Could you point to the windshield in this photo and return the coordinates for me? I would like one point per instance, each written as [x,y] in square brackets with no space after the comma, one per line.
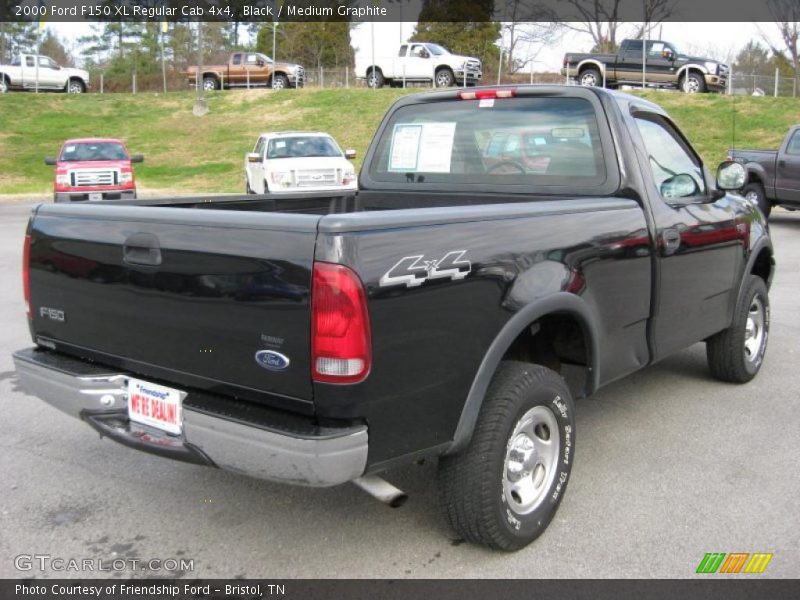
[437,49]
[94,151]
[530,141]
[302,146]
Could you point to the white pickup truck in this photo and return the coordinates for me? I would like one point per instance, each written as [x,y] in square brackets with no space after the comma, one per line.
[298,161]
[23,74]
[420,61]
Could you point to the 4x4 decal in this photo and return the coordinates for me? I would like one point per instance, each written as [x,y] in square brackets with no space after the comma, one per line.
[413,271]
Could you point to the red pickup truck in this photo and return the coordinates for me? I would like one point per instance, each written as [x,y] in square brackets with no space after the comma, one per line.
[94,169]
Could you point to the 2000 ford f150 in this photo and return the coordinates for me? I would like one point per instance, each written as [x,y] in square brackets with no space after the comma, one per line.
[454,307]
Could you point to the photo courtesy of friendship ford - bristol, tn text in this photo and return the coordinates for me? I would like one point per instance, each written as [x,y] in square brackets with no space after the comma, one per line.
[490,292]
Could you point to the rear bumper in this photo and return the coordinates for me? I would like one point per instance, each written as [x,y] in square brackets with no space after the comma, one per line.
[127,194]
[217,431]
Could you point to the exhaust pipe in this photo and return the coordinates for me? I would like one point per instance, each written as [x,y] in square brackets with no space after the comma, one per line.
[382,490]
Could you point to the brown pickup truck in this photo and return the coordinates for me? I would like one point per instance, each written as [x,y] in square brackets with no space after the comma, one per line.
[249,69]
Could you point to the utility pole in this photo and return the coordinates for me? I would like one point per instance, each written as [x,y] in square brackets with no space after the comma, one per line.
[200,106]
[164,29]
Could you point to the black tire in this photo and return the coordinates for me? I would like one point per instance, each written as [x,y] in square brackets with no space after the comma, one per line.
[729,357]
[590,77]
[375,80]
[247,188]
[280,82]
[75,86]
[478,504]
[693,83]
[444,78]
[754,191]
[266,189]
[3,84]
[210,83]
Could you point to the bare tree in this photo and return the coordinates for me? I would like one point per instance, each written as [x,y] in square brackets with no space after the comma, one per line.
[787,19]
[528,27]
[655,12]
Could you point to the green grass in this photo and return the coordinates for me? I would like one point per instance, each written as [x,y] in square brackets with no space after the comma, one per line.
[184,153]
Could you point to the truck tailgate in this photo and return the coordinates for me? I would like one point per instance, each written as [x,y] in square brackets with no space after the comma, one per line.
[185,295]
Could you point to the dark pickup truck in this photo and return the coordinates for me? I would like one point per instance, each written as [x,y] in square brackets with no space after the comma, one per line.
[454,307]
[773,176]
[665,67]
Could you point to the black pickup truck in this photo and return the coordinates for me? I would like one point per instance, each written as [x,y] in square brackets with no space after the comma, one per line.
[773,176]
[664,66]
[454,307]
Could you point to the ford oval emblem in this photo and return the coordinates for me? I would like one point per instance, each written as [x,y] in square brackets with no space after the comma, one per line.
[271,360]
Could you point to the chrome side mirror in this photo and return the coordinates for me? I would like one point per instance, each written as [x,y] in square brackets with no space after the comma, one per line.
[731,175]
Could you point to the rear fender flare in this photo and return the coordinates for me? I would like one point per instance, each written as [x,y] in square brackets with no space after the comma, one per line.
[560,302]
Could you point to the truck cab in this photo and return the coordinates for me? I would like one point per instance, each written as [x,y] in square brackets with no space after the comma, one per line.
[38,72]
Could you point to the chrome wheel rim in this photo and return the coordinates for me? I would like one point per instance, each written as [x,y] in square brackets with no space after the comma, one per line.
[752,196]
[531,459]
[3,86]
[75,88]
[209,85]
[278,84]
[442,79]
[372,81]
[755,330]
[588,80]
[692,85]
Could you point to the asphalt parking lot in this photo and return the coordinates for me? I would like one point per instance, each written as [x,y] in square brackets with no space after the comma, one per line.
[670,465]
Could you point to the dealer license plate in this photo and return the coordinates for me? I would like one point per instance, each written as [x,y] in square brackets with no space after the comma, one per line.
[95,196]
[155,405]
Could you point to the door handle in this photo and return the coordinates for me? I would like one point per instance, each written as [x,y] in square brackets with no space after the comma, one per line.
[781,163]
[671,239]
[142,249]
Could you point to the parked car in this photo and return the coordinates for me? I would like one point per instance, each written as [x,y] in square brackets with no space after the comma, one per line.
[448,309]
[773,176]
[298,161]
[22,74]
[666,67]
[94,169]
[249,69]
[420,61]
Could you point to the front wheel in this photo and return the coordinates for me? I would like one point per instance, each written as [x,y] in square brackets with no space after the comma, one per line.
[503,489]
[693,83]
[735,354]
[75,86]
[445,78]
[755,193]
[280,82]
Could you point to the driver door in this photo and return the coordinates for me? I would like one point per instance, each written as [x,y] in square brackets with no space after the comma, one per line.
[418,64]
[700,241]
[787,171]
[50,74]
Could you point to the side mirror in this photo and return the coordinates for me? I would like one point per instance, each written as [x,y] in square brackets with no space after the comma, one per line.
[260,63]
[50,160]
[679,186]
[253,157]
[667,53]
[731,175]
[137,158]
[349,154]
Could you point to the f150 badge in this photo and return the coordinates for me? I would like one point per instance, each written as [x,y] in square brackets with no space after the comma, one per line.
[413,271]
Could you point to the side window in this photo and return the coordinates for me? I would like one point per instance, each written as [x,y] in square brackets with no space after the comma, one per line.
[634,47]
[29,61]
[237,59]
[402,51]
[46,63]
[418,51]
[793,147]
[655,49]
[15,62]
[251,59]
[677,172]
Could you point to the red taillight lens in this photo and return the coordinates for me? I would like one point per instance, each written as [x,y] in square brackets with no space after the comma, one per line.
[341,345]
[26,279]
[487,94]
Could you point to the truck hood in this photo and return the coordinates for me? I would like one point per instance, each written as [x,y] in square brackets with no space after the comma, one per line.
[308,163]
[699,59]
[72,165]
[287,66]
[76,73]
[459,58]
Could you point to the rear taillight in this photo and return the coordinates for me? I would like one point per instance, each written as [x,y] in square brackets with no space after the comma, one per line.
[26,279]
[487,94]
[341,346]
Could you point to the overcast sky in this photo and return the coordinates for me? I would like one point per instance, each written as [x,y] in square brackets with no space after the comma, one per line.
[716,40]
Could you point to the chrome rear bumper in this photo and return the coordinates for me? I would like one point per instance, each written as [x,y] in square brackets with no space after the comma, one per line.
[251,445]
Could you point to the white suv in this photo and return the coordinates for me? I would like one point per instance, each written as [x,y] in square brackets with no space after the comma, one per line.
[298,161]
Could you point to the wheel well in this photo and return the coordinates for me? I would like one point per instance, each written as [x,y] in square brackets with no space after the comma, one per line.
[444,68]
[377,69]
[212,75]
[559,342]
[274,73]
[763,265]
[588,66]
[753,177]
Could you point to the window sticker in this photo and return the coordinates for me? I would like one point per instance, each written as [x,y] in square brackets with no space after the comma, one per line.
[280,144]
[436,147]
[405,147]
[69,149]
[486,103]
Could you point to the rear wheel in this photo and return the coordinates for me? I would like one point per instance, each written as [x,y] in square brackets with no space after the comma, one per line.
[210,84]
[505,487]
[755,193]
[375,78]
[3,85]
[735,354]
[590,77]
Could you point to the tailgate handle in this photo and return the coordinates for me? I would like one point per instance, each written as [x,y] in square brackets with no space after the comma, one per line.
[142,249]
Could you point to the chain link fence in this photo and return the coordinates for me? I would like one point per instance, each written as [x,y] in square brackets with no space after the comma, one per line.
[743,84]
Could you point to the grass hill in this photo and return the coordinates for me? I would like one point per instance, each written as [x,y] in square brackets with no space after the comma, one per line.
[185,154]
